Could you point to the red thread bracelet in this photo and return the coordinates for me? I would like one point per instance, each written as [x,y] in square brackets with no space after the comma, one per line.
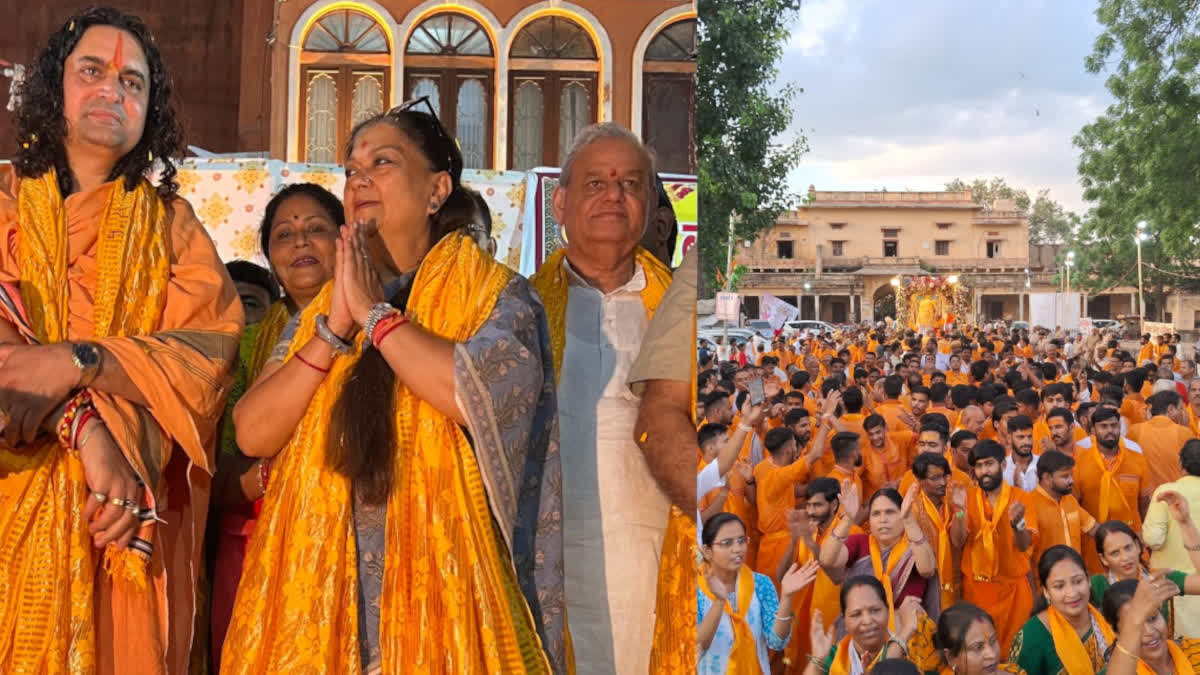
[311,365]
[400,321]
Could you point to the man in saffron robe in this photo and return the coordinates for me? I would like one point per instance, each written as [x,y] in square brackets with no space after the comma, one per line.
[600,294]
[1002,528]
[118,294]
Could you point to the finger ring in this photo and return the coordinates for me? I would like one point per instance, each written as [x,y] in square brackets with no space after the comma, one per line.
[117,501]
[100,496]
[131,504]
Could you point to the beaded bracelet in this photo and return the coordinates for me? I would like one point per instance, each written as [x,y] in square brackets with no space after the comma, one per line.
[66,423]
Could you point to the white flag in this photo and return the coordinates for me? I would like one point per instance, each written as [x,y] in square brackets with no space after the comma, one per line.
[776,311]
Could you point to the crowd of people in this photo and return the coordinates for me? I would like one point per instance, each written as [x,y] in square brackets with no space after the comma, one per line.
[972,499]
[386,453]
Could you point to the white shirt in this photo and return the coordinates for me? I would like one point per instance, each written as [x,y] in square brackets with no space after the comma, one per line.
[1026,480]
[614,513]
[707,480]
[723,352]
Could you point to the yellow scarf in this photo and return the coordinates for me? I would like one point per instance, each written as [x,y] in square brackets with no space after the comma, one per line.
[989,562]
[885,574]
[1069,647]
[943,552]
[552,284]
[446,568]
[269,330]
[49,582]
[1178,658]
[743,659]
[1108,479]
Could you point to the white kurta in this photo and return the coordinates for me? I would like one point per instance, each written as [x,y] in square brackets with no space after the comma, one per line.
[614,514]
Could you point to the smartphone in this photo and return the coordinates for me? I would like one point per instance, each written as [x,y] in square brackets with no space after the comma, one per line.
[757,395]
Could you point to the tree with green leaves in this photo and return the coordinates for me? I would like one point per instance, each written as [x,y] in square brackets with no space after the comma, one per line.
[1049,222]
[1140,160]
[743,168]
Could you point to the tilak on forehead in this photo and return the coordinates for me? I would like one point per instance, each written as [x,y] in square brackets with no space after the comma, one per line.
[118,59]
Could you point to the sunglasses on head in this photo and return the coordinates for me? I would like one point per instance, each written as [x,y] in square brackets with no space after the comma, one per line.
[415,106]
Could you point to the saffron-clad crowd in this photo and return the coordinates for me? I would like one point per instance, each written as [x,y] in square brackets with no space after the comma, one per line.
[961,500]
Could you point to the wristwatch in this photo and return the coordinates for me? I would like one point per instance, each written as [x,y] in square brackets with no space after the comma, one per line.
[87,358]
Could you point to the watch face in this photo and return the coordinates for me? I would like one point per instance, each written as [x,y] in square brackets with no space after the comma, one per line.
[87,355]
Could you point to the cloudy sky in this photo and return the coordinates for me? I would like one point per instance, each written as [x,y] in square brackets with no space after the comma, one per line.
[911,95]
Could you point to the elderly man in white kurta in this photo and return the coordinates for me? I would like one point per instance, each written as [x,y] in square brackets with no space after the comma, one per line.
[600,293]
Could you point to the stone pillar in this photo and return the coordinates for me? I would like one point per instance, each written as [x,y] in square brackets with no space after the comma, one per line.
[1133,308]
[853,313]
[816,307]
[1024,314]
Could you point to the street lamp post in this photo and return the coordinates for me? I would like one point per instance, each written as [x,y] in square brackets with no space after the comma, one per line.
[1138,237]
[1070,264]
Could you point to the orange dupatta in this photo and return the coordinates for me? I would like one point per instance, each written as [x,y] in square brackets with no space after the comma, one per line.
[1108,478]
[885,574]
[1067,644]
[743,658]
[1178,659]
[943,552]
[987,531]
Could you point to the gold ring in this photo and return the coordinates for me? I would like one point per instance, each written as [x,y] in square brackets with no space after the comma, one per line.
[117,501]
[100,496]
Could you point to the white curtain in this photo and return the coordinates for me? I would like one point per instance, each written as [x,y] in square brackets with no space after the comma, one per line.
[321,123]
[471,123]
[527,126]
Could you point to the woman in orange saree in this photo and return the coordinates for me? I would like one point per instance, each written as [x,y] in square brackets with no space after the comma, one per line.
[411,519]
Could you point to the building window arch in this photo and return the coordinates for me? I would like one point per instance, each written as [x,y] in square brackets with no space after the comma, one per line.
[554,68]
[345,77]
[451,57]
[669,96]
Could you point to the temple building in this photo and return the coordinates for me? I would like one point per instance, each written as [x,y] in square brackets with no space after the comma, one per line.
[835,258]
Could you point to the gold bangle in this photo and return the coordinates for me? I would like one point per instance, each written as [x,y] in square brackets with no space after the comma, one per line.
[1126,652]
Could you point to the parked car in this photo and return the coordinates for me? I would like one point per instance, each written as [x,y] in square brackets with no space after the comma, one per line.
[1105,324]
[792,327]
[762,326]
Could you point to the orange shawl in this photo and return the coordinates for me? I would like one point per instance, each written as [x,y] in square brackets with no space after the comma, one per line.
[142,279]
[1178,658]
[743,659]
[1067,644]
[987,563]
[1108,479]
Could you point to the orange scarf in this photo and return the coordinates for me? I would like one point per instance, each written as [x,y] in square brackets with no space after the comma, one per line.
[943,552]
[885,574]
[841,661]
[49,578]
[552,284]
[986,535]
[1069,647]
[1108,478]
[1179,660]
[743,658]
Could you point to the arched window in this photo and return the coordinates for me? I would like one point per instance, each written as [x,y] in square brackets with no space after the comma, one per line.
[669,97]
[345,70]
[450,58]
[554,70]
